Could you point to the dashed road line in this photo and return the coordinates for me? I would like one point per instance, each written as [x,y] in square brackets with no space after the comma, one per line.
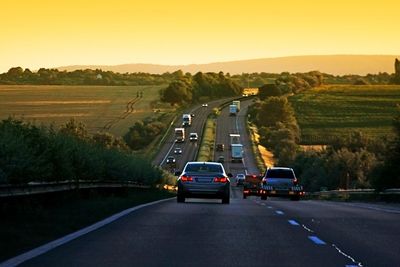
[279,212]
[316,240]
[308,229]
[293,222]
[358,264]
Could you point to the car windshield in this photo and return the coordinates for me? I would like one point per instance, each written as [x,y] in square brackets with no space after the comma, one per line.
[203,168]
[280,173]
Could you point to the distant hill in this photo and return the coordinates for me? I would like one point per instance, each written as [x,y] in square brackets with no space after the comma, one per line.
[333,64]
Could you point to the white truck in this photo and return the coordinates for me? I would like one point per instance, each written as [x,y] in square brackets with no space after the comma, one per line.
[179,135]
[235,139]
[237,153]
[186,120]
[232,110]
[237,104]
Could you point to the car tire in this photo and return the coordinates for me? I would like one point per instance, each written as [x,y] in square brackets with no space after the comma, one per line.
[226,199]
[263,197]
[244,196]
[180,198]
[295,198]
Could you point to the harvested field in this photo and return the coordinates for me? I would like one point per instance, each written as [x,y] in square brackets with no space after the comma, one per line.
[102,108]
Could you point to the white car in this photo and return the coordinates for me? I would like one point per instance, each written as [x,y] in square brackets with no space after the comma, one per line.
[193,137]
[240,177]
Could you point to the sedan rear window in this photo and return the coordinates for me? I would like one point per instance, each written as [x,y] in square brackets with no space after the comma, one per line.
[280,173]
[203,168]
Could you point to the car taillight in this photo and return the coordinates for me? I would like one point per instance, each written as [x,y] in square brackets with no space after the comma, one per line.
[185,178]
[220,180]
[295,181]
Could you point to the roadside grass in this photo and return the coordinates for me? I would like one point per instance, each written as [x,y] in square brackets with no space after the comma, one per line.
[263,157]
[96,106]
[206,151]
[30,221]
[328,112]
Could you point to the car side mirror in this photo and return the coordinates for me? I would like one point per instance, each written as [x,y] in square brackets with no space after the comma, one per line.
[177,173]
[230,175]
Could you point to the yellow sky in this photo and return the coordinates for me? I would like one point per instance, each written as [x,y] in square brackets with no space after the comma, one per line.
[51,33]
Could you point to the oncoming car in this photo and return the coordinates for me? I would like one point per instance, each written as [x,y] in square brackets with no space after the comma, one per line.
[170,160]
[203,180]
[178,150]
[193,137]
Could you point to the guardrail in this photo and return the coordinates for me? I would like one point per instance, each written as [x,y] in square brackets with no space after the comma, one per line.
[41,188]
[357,194]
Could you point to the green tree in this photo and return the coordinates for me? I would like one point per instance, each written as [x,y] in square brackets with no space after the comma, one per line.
[268,90]
[177,92]
[274,110]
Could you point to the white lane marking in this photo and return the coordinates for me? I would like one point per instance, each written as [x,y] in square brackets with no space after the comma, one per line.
[169,151]
[316,240]
[269,207]
[293,222]
[348,256]
[63,240]
[279,212]
[263,204]
[308,229]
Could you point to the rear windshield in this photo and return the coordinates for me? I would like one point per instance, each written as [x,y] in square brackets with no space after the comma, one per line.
[288,174]
[203,168]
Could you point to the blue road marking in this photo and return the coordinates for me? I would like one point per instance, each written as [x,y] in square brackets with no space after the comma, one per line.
[316,240]
[293,222]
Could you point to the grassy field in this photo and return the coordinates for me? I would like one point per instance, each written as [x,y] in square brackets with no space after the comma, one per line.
[102,108]
[336,110]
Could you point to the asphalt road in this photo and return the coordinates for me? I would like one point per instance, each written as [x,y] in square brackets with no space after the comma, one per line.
[189,149]
[235,125]
[248,232]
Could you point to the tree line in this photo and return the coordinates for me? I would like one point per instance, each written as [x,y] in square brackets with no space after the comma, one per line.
[48,154]
[45,76]
[192,88]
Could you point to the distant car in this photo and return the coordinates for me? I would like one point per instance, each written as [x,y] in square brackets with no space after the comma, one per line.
[204,105]
[192,115]
[281,181]
[170,160]
[252,185]
[193,137]
[178,150]
[203,180]
[220,147]
[240,179]
[221,159]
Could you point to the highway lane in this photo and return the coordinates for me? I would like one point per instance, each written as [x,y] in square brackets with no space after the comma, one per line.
[235,124]
[248,232]
[189,148]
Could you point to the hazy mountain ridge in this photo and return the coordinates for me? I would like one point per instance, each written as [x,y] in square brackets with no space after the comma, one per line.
[332,64]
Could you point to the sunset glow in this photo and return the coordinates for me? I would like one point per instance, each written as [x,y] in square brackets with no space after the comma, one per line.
[46,33]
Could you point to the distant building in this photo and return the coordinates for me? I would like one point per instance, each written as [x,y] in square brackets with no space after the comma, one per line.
[99,76]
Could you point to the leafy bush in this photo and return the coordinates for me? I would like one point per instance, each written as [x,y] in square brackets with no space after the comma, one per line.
[29,153]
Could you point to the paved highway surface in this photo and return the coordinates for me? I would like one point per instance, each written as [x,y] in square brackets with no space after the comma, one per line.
[248,232]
